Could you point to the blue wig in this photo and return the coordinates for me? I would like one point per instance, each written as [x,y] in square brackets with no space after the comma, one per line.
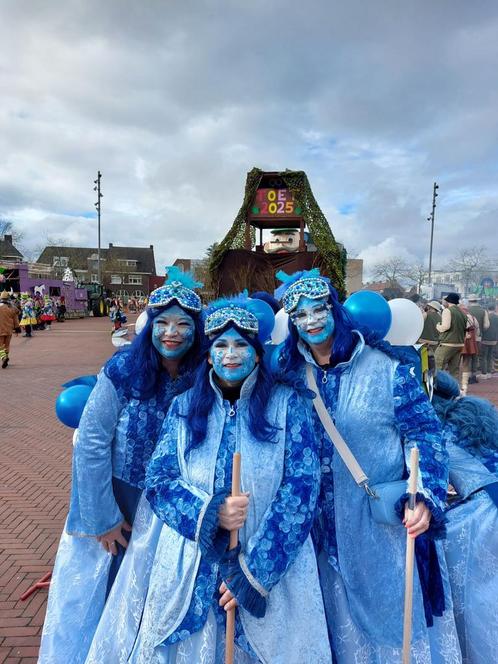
[344,340]
[203,397]
[137,368]
[475,422]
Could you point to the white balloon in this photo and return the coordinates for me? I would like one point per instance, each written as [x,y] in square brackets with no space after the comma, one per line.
[141,322]
[280,329]
[407,322]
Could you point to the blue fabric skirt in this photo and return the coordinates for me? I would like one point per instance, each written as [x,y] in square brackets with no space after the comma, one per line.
[471,551]
[207,646]
[351,645]
[81,579]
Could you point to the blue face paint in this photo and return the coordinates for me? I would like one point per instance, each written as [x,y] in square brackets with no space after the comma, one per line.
[173,333]
[313,320]
[232,357]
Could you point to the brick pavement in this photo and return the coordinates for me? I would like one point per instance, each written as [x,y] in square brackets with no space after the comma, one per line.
[35,455]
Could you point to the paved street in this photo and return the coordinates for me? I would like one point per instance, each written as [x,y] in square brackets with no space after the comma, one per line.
[35,455]
[35,451]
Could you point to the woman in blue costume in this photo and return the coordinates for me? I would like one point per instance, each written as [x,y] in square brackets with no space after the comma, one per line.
[117,435]
[470,426]
[381,411]
[169,600]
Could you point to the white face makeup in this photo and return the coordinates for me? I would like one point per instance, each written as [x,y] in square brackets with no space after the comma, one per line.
[313,320]
[233,358]
[173,333]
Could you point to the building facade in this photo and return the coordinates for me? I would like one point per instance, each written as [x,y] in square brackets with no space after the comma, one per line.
[125,271]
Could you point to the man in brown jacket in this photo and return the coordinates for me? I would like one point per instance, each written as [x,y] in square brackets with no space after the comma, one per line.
[9,323]
[451,335]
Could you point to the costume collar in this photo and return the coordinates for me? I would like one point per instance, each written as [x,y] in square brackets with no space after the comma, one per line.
[245,389]
[305,351]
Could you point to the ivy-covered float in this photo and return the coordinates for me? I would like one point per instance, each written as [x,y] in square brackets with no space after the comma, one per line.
[301,238]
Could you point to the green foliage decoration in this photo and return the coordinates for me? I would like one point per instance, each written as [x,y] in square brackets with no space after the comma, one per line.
[332,256]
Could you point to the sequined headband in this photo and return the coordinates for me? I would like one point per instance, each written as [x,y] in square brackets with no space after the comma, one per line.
[175,290]
[312,287]
[232,313]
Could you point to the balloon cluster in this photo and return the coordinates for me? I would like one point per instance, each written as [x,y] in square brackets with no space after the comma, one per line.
[72,400]
[398,321]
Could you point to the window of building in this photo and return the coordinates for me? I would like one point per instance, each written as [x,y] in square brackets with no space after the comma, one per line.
[60,261]
[116,279]
[95,279]
[135,279]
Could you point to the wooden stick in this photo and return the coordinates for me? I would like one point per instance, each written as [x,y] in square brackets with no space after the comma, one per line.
[410,555]
[234,540]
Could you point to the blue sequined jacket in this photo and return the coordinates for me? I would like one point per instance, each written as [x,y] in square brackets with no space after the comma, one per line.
[186,490]
[381,411]
[115,439]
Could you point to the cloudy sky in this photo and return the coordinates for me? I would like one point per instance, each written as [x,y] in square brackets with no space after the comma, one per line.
[174,101]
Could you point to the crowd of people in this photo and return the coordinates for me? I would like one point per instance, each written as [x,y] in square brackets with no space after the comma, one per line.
[462,337]
[25,313]
[144,571]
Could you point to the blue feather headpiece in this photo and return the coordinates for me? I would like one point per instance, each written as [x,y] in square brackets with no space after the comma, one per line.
[306,283]
[236,310]
[178,286]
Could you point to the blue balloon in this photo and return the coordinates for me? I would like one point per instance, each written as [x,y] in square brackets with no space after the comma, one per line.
[82,380]
[71,403]
[265,315]
[370,310]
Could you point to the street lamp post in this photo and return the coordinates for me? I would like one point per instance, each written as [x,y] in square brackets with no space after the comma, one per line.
[431,219]
[97,205]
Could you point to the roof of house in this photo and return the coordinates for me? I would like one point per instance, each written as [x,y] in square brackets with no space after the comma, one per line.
[379,286]
[7,249]
[78,256]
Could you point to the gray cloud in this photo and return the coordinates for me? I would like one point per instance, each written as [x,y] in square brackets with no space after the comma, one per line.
[175,102]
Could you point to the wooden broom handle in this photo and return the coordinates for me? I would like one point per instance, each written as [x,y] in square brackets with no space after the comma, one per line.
[234,540]
[410,555]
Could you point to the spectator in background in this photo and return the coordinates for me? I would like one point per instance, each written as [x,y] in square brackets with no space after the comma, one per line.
[483,319]
[470,349]
[9,323]
[488,343]
[430,335]
[452,335]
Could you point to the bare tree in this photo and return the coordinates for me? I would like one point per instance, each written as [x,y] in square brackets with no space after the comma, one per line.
[7,228]
[471,263]
[390,270]
[416,274]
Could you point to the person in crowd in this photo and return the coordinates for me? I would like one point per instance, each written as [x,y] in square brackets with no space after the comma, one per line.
[116,314]
[430,335]
[28,318]
[470,427]
[381,411]
[113,445]
[481,314]
[452,335]
[169,601]
[488,343]
[470,349]
[61,309]
[47,314]
[9,323]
